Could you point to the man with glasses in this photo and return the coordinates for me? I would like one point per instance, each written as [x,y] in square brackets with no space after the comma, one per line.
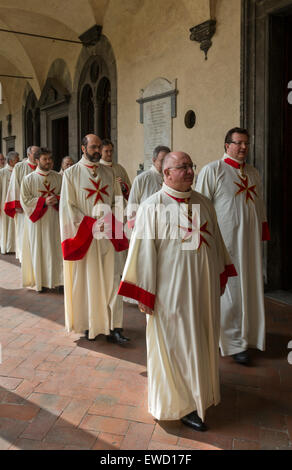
[90,287]
[234,187]
[176,269]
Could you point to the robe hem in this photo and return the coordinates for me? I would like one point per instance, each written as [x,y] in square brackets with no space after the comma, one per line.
[185,412]
[137,293]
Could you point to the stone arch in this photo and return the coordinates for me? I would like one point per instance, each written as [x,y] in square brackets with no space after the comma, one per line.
[96,67]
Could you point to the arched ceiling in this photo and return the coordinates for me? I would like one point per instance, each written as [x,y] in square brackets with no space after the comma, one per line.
[32,57]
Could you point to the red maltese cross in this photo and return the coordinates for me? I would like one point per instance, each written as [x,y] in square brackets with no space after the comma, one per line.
[96,191]
[249,190]
[48,191]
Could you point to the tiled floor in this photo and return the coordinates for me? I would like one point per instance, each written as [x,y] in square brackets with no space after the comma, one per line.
[60,391]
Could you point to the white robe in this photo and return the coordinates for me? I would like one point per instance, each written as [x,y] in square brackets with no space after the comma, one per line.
[7,226]
[144,185]
[90,280]
[42,261]
[12,203]
[183,288]
[125,186]
[239,204]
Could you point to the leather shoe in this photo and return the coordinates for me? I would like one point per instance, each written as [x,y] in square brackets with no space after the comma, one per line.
[86,335]
[194,421]
[241,357]
[117,337]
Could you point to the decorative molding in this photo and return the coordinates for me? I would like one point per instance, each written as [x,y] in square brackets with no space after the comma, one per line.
[203,33]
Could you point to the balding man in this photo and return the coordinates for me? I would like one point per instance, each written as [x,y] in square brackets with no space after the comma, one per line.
[7,226]
[147,183]
[178,287]
[66,163]
[12,204]
[2,161]
[88,192]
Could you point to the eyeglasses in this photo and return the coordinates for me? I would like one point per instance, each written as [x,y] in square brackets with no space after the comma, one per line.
[186,167]
[241,142]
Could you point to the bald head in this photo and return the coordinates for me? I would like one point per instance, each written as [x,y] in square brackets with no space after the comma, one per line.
[91,147]
[178,171]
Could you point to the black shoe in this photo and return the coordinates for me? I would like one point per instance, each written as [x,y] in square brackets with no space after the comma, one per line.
[241,358]
[194,421]
[116,336]
[86,335]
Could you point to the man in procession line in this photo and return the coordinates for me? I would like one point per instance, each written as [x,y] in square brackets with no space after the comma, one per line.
[179,287]
[42,261]
[12,205]
[90,284]
[7,226]
[234,187]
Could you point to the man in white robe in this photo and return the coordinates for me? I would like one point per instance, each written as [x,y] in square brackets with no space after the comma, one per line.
[234,187]
[107,149]
[2,161]
[178,284]
[42,261]
[12,205]
[123,180]
[147,183]
[7,226]
[90,286]
[66,163]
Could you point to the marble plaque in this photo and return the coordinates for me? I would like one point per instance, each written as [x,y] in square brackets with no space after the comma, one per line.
[157,108]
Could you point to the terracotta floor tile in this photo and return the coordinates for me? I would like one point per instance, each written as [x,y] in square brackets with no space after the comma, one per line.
[107,441]
[18,412]
[69,393]
[105,424]
[138,436]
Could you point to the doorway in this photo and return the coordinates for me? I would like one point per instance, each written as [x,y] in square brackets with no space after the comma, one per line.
[60,140]
[280,161]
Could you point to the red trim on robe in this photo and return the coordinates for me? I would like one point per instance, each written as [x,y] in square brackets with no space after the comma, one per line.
[265,232]
[40,210]
[229,271]
[233,163]
[137,293]
[120,243]
[76,248]
[33,167]
[9,208]
[185,200]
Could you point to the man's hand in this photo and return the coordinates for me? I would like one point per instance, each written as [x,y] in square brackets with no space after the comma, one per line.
[51,200]
[19,210]
[143,308]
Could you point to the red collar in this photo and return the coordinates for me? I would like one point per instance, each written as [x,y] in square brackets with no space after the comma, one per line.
[233,163]
[33,167]
[185,200]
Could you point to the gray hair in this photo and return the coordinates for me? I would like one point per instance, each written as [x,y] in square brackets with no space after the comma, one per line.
[28,150]
[158,149]
[11,155]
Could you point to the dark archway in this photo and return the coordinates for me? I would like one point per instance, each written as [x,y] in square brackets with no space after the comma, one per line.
[86,111]
[266,112]
[103,99]
[31,121]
